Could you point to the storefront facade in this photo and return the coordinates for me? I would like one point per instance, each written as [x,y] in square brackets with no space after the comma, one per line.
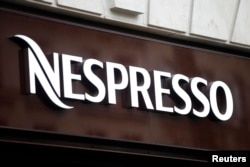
[79,90]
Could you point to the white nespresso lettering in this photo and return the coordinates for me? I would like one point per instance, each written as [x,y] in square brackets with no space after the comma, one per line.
[136,87]
[68,77]
[94,79]
[213,100]
[159,91]
[200,96]
[48,78]
[181,93]
[136,80]
[111,82]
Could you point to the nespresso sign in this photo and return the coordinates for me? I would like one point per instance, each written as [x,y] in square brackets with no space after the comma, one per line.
[56,81]
[87,80]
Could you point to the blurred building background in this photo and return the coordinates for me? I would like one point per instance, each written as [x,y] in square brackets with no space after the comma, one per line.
[217,22]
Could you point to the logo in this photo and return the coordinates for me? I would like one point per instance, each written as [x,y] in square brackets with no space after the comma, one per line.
[57,82]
